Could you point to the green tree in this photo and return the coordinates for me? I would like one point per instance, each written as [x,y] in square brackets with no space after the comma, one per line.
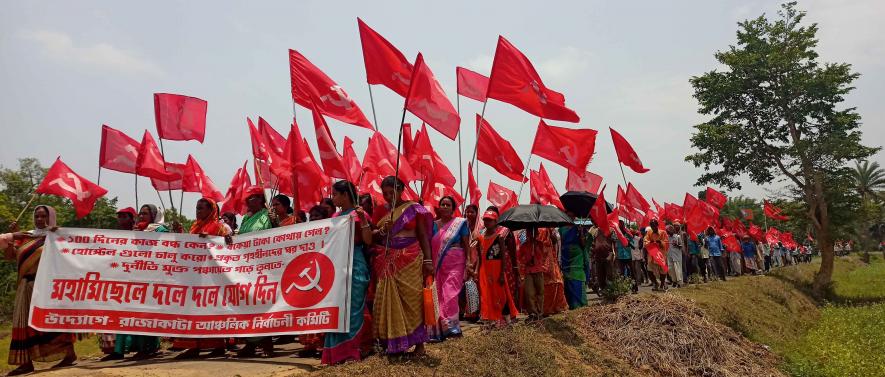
[869,180]
[775,116]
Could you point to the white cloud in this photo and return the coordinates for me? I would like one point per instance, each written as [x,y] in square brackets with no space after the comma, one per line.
[60,46]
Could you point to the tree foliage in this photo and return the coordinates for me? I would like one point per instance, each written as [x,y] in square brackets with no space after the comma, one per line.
[777,114]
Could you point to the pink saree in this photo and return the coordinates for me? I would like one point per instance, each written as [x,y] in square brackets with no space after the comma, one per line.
[449,261]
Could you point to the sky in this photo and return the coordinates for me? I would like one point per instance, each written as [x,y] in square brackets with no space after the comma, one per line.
[69,67]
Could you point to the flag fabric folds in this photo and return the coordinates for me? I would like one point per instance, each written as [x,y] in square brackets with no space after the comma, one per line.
[497,152]
[514,80]
[500,196]
[180,117]
[194,179]
[385,64]
[150,161]
[626,154]
[716,198]
[570,148]
[118,151]
[428,101]
[473,191]
[61,181]
[773,212]
[585,181]
[471,84]
[312,86]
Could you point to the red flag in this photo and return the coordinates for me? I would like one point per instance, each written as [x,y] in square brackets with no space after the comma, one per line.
[598,214]
[300,169]
[587,181]
[150,161]
[635,199]
[194,179]
[380,159]
[428,101]
[747,213]
[264,176]
[352,162]
[259,149]
[695,220]
[625,152]
[786,238]
[571,149]
[631,214]
[773,212]
[472,188]
[497,152]
[614,224]
[371,184]
[658,208]
[118,151]
[688,204]
[657,256]
[385,64]
[180,117]
[514,80]
[273,140]
[716,198]
[471,84]
[234,200]
[755,232]
[542,190]
[310,85]
[672,212]
[730,242]
[61,181]
[426,162]
[176,184]
[500,196]
[408,141]
[333,162]
[434,191]
[772,236]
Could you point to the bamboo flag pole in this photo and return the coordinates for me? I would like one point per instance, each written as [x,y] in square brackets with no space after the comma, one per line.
[136,192]
[372,101]
[169,187]
[25,209]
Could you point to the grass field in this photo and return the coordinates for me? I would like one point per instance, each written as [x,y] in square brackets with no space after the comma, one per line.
[844,337]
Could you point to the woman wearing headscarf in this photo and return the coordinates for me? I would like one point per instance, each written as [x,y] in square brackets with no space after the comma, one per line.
[402,261]
[282,209]
[340,347]
[206,224]
[150,219]
[27,344]
[256,219]
[449,245]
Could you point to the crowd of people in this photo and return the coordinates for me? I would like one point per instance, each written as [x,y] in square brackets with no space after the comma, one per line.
[481,271]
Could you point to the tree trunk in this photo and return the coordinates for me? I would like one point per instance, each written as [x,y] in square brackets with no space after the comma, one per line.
[824,276]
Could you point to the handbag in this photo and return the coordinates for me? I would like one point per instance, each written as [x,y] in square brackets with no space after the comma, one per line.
[471,291]
[431,302]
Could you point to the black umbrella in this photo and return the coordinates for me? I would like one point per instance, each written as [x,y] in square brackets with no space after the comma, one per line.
[580,202]
[526,216]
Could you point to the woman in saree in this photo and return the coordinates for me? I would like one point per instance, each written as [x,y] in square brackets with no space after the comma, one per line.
[341,347]
[150,219]
[554,287]
[282,209]
[206,224]
[449,245]
[402,261]
[496,300]
[27,344]
[256,219]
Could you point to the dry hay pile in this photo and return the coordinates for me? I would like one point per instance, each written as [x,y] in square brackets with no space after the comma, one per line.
[671,336]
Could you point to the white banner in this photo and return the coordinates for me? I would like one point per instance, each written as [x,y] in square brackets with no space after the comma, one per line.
[289,280]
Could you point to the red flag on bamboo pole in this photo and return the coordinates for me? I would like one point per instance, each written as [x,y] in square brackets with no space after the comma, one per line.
[310,85]
[514,80]
[385,64]
[61,181]
[428,101]
[570,148]
[427,163]
[180,117]
[175,184]
[626,154]
[598,214]
[194,179]
[773,212]
[716,198]
[635,199]
[150,161]
[541,189]
[333,162]
[118,151]
[352,162]
[471,84]
[587,181]
[472,188]
[259,149]
[380,159]
[500,196]
[497,152]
